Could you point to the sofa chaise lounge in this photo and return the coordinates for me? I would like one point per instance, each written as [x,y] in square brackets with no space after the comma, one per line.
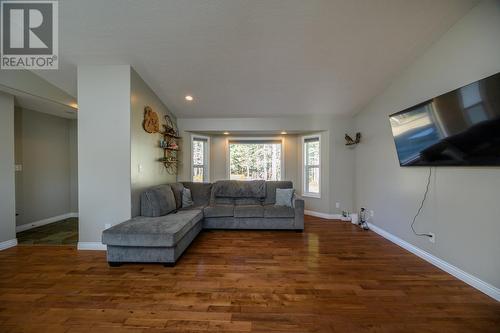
[165,228]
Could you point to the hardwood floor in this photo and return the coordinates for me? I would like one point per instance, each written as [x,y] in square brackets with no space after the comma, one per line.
[63,232]
[333,277]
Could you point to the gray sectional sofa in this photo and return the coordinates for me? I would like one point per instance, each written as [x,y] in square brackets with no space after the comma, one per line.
[165,229]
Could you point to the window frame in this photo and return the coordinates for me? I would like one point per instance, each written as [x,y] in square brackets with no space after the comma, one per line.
[251,138]
[306,167]
[206,159]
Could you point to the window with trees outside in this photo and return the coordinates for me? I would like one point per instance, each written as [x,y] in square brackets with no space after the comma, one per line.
[255,159]
[200,158]
[312,170]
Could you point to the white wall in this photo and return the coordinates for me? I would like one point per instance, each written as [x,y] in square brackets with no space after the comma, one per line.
[44,150]
[145,149]
[112,145]
[462,208]
[7,185]
[103,148]
[73,165]
[337,160]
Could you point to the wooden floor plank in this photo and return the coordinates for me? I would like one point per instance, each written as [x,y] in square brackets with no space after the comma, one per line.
[333,277]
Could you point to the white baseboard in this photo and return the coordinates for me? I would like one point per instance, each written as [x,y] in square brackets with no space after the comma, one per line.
[8,244]
[470,279]
[323,215]
[91,246]
[49,220]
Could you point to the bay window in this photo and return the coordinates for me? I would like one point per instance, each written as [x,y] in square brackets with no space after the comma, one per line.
[200,158]
[312,165]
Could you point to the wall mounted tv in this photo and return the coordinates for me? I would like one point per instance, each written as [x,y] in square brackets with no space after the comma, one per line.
[459,128]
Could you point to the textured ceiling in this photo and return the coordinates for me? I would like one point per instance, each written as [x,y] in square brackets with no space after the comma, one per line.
[253,58]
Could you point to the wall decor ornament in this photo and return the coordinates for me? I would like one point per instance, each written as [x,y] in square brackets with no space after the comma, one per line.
[151,122]
[170,145]
[170,141]
[350,142]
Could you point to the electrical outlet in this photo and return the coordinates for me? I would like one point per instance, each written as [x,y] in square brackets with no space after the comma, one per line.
[432,237]
[107,226]
[19,167]
[337,205]
[372,213]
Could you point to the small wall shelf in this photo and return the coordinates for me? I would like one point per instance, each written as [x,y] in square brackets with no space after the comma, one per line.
[170,146]
[170,135]
[170,141]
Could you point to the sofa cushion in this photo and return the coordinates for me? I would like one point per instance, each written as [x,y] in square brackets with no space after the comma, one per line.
[200,192]
[177,189]
[221,201]
[219,211]
[240,189]
[247,201]
[187,199]
[278,211]
[163,231]
[284,197]
[157,201]
[271,187]
[249,211]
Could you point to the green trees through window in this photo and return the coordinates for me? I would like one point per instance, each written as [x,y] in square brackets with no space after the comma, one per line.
[255,160]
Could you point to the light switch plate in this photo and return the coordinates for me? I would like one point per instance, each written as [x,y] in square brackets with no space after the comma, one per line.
[19,167]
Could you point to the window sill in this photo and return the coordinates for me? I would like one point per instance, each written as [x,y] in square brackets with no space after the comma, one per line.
[312,195]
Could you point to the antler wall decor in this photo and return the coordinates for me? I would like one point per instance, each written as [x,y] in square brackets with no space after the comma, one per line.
[350,142]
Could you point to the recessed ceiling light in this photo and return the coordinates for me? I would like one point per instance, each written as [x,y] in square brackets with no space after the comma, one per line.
[226,133]
[189,98]
[283,133]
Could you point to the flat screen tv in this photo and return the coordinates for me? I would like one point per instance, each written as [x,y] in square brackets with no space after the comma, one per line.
[459,128]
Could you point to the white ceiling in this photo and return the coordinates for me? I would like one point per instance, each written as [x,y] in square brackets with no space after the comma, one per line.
[253,58]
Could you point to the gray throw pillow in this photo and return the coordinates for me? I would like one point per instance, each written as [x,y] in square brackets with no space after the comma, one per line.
[157,201]
[187,200]
[284,197]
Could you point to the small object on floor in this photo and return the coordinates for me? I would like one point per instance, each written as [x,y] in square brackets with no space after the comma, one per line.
[363,219]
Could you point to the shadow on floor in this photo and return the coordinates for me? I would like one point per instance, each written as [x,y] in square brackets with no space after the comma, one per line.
[63,232]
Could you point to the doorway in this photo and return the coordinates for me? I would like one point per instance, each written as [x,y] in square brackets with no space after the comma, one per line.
[46,177]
